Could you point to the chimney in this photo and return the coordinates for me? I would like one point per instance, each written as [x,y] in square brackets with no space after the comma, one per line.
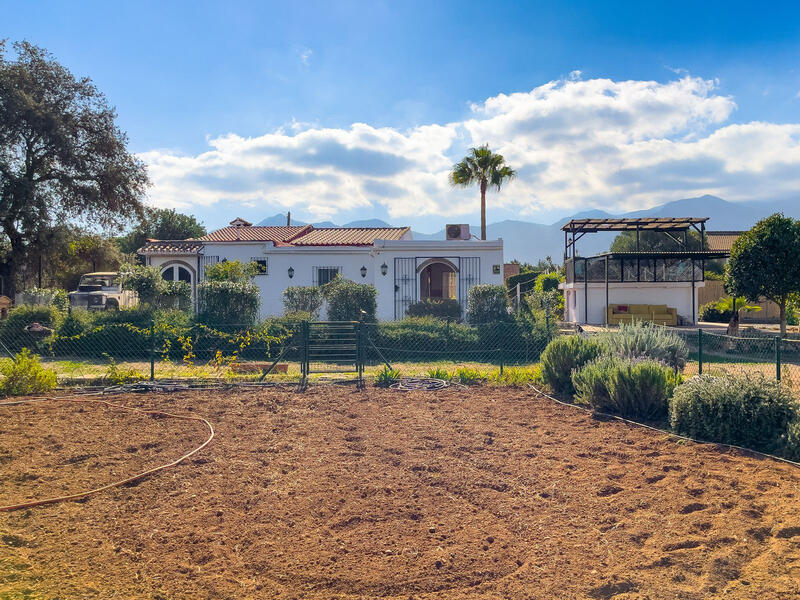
[289,219]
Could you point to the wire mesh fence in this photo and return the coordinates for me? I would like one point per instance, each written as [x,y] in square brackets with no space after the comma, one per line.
[280,349]
[125,352]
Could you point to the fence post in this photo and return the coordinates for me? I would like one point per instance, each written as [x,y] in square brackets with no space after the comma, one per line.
[153,351]
[778,357]
[699,351]
[305,366]
[502,348]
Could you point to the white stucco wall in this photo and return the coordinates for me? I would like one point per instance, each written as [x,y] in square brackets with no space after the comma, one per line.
[350,259]
[674,294]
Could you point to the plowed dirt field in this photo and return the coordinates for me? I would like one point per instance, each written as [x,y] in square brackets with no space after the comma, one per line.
[333,493]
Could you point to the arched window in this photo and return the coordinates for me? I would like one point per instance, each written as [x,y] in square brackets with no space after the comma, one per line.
[177,273]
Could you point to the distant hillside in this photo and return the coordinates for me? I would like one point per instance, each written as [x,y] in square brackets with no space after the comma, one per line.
[528,242]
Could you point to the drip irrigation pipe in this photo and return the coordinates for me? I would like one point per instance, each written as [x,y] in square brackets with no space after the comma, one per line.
[88,398]
[665,431]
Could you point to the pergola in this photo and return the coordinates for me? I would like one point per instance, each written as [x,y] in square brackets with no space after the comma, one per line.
[675,228]
[577,228]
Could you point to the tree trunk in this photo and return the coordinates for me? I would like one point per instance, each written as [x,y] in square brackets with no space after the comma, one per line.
[782,305]
[483,209]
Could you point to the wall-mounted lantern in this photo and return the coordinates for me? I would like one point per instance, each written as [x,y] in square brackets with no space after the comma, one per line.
[363,271]
[290,272]
[384,269]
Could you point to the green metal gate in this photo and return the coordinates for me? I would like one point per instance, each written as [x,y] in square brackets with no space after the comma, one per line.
[332,347]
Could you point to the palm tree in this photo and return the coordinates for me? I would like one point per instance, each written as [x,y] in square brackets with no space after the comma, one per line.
[484,167]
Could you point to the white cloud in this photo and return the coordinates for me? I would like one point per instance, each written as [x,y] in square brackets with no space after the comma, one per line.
[305,55]
[575,143]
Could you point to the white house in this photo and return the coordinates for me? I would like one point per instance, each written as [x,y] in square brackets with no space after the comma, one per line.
[403,270]
[660,286]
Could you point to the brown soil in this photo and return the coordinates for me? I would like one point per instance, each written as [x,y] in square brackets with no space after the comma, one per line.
[332,493]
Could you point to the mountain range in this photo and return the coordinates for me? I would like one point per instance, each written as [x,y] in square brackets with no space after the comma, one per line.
[549,239]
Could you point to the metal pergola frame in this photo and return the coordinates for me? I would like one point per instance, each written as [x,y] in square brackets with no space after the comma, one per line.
[577,228]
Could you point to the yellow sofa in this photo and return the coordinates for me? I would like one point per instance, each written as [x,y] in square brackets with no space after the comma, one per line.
[660,314]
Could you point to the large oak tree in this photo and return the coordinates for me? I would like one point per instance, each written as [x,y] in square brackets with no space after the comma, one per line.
[63,159]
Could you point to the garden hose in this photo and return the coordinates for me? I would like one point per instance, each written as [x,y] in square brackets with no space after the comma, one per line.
[89,398]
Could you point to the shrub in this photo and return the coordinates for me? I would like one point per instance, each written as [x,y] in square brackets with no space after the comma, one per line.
[25,375]
[562,356]
[625,386]
[12,328]
[117,375]
[547,282]
[646,340]
[721,311]
[746,411]
[306,299]
[439,373]
[441,309]
[76,323]
[791,443]
[347,299]
[231,270]
[228,302]
[487,304]
[55,297]
[469,376]
[516,376]
[413,338]
[153,290]
[387,377]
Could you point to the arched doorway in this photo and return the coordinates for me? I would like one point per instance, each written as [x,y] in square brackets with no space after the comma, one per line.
[438,280]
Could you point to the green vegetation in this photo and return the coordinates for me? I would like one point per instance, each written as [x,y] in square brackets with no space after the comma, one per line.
[721,310]
[306,299]
[763,263]
[25,375]
[387,377]
[483,168]
[753,412]
[487,304]
[350,301]
[228,295]
[564,355]
[469,376]
[645,340]
[434,307]
[624,386]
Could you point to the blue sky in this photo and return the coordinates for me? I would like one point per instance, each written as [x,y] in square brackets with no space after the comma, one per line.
[248,108]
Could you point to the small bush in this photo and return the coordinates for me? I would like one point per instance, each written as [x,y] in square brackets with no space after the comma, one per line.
[469,376]
[387,377]
[440,373]
[76,323]
[627,387]
[562,356]
[753,412]
[487,304]
[228,302]
[347,299]
[516,376]
[303,298]
[117,375]
[12,328]
[25,375]
[721,311]
[153,290]
[440,309]
[55,297]
[791,442]
[645,340]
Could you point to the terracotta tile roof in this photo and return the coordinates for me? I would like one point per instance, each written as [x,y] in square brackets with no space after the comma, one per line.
[255,233]
[171,247]
[348,236]
[722,240]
